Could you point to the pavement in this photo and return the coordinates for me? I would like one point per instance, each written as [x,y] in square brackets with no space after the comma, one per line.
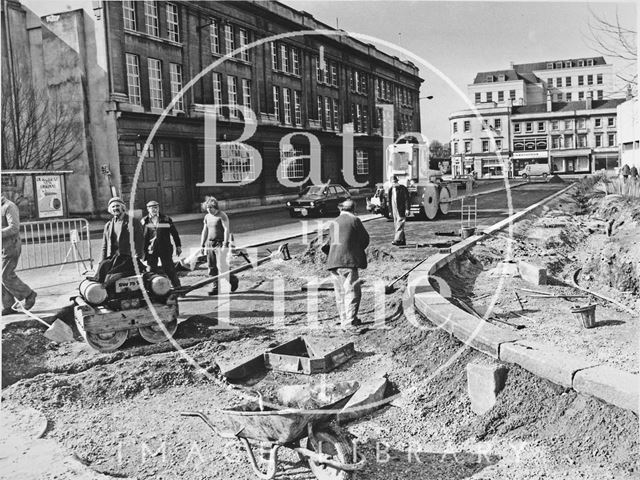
[55,286]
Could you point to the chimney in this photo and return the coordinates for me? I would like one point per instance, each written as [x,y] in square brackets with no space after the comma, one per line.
[629,94]
[549,101]
[589,105]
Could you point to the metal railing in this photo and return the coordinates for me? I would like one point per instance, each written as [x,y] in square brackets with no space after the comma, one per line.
[55,242]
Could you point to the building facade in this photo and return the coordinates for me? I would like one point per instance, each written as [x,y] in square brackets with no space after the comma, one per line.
[628,119]
[276,106]
[554,112]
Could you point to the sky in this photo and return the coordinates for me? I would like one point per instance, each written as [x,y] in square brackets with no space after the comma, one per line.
[457,38]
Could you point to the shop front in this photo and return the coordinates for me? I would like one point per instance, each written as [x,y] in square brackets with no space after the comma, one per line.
[519,160]
[494,166]
[571,161]
[607,161]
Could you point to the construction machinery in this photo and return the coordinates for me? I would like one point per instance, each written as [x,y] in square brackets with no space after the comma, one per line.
[409,159]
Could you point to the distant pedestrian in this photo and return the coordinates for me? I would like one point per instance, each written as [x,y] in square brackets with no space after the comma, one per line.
[634,172]
[118,254]
[158,229]
[214,238]
[626,171]
[12,287]
[399,195]
[345,249]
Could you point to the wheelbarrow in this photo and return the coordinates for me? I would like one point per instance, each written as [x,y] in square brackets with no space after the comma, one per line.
[324,446]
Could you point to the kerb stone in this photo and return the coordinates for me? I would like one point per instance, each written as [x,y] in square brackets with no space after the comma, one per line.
[484,383]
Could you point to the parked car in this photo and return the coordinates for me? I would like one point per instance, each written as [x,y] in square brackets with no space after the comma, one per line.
[319,200]
[535,170]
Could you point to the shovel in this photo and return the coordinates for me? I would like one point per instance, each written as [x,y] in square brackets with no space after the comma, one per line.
[58,331]
[390,288]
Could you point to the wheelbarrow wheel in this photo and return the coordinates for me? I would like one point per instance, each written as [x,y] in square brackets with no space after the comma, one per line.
[333,443]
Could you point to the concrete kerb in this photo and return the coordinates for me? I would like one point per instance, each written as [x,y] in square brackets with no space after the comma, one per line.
[543,360]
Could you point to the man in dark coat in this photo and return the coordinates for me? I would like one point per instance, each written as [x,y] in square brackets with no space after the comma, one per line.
[345,251]
[158,230]
[117,254]
[399,196]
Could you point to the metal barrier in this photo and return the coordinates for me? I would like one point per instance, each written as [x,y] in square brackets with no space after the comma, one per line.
[55,242]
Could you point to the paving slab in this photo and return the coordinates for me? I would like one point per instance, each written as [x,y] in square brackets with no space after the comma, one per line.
[611,385]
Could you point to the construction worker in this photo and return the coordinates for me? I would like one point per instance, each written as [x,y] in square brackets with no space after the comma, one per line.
[399,195]
[158,229]
[12,287]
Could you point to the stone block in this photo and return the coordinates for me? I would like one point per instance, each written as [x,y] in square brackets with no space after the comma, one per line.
[545,360]
[532,273]
[365,400]
[611,385]
[484,383]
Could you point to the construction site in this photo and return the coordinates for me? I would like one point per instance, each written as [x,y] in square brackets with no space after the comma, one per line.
[506,352]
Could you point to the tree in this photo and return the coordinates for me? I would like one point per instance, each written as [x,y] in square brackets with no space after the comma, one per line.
[609,37]
[38,131]
[436,149]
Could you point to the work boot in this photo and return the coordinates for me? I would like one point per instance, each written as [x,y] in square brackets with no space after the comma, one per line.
[30,301]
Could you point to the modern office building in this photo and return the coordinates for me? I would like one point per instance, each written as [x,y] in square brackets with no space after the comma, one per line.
[556,112]
[127,61]
[628,117]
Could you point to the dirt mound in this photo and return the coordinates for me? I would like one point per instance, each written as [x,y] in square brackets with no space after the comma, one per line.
[556,179]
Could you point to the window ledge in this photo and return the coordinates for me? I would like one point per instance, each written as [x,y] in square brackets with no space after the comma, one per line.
[135,33]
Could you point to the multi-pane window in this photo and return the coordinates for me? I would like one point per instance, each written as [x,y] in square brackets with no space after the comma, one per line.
[217,90]
[611,121]
[319,71]
[292,162]
[229,42]
[599,79]
[497,124]
[580,80]
[297,107]
[320,108]
[274,56]
[498,143]
[516,128]
[559,82]
[600,94]
[214,36]
[568,141]
[541,126]
[598,122]
[581,123]
[612,139]
[151,18]
[155,83]
[276,102]
[467,147]
[489,97]
[528,127]
[286,96]
[336,123]
[580,95]
[129,14]
[455,127]
[232,92]
[568,96]
[334,74]
[328,112]
[568,124]
[485,145]
[295,61]
[175,75]
[467,125]
[133,79]
[362,162]
[512,94]
[582,141]
[151,149]
[238,162]
[455,147]
[590,62]
[598,140]
[244,41]
[501,96]
[173,27]
[284,58]
[556,142]
[567,81]
[554,124]
[364,124]
[589,79]
[246,92]
[478,97]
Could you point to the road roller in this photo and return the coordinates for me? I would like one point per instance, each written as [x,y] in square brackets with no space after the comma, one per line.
[410,160]
[107,315]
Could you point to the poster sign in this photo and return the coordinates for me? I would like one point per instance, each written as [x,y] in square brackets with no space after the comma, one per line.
[49,196]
